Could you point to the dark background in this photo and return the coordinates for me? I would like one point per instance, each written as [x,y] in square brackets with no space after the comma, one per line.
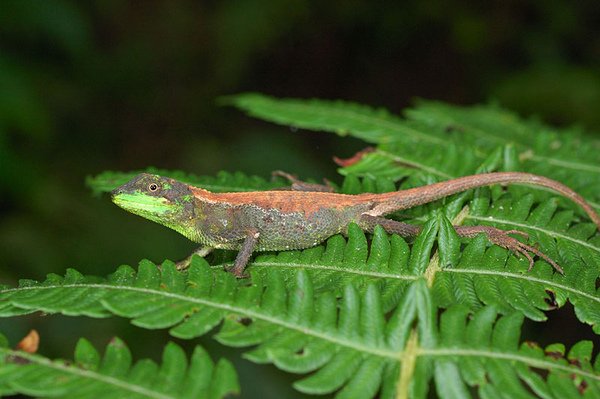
[87,86]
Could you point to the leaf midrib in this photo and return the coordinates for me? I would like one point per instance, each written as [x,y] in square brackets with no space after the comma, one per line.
[530,361]
[526,278]
[233,309]
[86,374]
[395,276]
[369,119]
[551,233]
[476,132]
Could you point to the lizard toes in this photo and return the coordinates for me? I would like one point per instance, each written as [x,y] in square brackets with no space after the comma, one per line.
[182,264]
[501,238]
[523,251]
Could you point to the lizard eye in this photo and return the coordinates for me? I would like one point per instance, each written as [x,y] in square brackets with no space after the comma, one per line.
[153,187]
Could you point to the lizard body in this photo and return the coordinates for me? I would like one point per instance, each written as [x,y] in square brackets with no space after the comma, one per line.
[280,220]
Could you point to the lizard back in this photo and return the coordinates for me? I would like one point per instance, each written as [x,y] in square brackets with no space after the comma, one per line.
[284,219]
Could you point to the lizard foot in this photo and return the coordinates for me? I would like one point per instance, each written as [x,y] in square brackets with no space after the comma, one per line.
[236,271]
[183,264]
[503,239]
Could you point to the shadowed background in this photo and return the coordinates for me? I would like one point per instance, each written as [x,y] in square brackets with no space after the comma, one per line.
[95,85]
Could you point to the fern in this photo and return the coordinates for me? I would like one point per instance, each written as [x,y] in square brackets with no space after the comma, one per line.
[113,376]
[357,353]
[377,315]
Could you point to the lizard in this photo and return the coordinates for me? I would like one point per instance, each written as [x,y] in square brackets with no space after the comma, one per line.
[304,216]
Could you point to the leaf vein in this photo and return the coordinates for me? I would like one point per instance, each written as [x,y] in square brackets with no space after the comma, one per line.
[87,374]
[543,364]
[537,228]
[525,277]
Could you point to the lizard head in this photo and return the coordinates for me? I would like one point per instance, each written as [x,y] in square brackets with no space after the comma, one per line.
[161,199]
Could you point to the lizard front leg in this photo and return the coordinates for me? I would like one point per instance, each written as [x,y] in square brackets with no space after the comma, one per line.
[496,236]
[242,258]
[201,251]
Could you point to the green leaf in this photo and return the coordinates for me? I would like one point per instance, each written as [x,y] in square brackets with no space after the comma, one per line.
[421,252]
[303,333]
[340,117]
[114,375]
[449,243]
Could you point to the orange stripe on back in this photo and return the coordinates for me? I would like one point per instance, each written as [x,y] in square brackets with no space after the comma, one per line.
[285,201]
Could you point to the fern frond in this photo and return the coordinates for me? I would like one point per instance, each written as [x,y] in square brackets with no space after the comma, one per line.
[489,277]
[568,155]
[293,327]
[114,376]
[349,347]
[483,352]
[340,117]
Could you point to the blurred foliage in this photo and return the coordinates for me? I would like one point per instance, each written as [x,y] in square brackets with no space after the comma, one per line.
[95,85]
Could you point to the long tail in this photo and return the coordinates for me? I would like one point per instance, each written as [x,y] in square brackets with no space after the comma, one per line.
[395,201]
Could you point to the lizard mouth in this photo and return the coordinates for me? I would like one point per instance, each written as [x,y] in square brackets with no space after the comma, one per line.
[141,204]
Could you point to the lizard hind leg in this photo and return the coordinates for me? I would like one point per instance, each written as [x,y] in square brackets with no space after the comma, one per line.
[503,239]
[496,236]
[242,258]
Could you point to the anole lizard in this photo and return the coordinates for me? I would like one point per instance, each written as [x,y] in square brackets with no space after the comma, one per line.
[295,219]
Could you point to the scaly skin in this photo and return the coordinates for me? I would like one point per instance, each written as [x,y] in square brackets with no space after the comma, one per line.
[280,220]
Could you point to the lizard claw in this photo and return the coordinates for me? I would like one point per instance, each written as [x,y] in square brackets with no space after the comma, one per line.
[502,239]
[182,264]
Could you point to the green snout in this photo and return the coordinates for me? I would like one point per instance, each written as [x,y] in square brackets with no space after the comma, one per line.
[142,204]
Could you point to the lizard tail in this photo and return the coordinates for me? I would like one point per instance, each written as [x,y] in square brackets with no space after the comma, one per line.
[405,199]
